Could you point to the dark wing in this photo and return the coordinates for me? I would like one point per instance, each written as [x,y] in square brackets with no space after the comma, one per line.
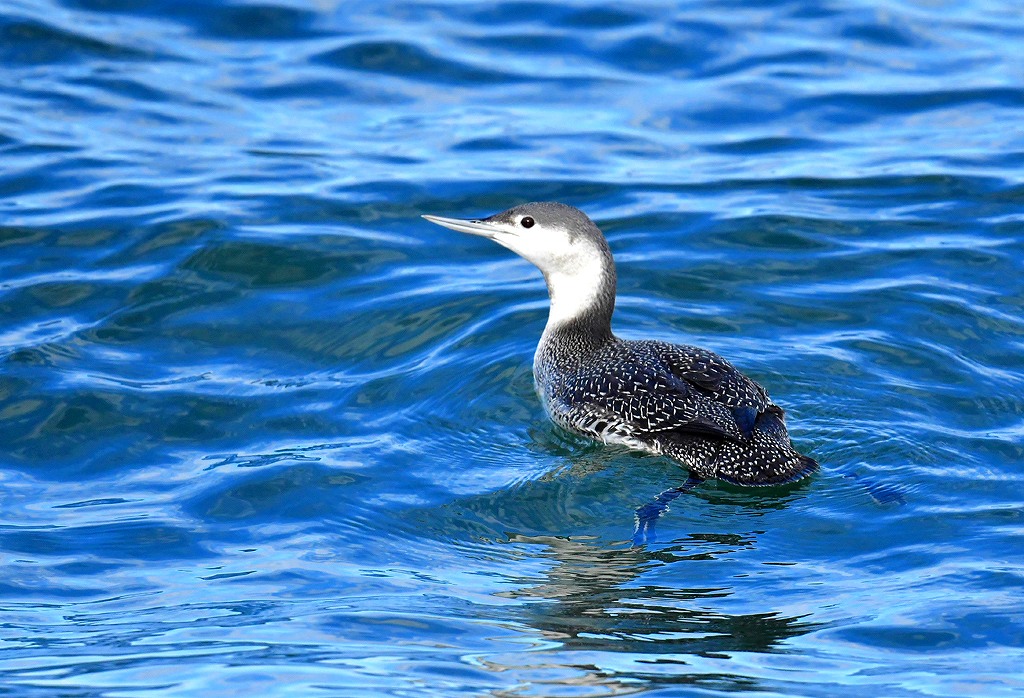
[632,385]
[708,372]
[717,379]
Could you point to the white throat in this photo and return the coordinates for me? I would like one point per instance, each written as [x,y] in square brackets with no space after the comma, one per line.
[575,291]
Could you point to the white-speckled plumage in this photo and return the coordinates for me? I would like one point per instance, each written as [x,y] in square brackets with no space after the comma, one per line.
[681,401]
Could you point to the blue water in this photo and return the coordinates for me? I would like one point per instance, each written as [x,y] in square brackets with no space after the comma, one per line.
[264,431]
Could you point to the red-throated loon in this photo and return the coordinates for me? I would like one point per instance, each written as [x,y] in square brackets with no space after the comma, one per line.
[684,402]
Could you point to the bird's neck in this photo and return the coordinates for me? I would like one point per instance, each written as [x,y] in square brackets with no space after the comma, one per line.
[582,300]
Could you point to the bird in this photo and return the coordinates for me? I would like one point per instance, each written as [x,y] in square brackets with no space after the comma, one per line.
[683,402]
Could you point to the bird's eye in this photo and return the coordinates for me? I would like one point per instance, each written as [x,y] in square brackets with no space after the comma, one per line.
[526,222]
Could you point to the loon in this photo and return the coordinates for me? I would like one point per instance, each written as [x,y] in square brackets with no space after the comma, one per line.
[679,401]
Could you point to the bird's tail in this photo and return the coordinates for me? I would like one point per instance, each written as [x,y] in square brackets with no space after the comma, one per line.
[765,458]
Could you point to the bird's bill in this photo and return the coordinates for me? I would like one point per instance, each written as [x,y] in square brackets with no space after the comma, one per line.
[473,227]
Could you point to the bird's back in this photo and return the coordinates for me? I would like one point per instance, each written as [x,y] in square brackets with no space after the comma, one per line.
[685,402]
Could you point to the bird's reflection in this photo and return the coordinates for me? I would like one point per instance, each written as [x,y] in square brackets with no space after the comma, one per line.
[592,603]
[598,596]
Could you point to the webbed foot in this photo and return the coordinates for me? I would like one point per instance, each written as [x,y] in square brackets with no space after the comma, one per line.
[647,514]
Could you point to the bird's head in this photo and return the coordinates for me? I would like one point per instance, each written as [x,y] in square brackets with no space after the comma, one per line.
[558,239]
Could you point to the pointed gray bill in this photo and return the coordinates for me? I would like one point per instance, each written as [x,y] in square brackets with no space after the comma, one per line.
[488,230]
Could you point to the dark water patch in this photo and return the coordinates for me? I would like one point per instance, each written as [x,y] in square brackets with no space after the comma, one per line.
[19,183]
[266,266]
[127,88]
[248,22]
[601,17]
[850,108]
[256,22]
[884,35]
[31,42]
[758,146]
[299,89]
[299,491]
[159,240]
[120,196]
[132,6]
[784,235]
[787,63]
[92,503]
[10,236]
[513,13]
[921,639]
[540,42]
[484,144]
[149,304]
[654,55]
[409,61]
[131,540]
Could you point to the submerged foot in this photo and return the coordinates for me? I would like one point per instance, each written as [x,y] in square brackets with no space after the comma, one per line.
[647,514]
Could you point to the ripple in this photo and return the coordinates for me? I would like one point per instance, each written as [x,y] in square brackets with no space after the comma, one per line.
[755,146]
[31,42]
[409,61]
[649,54]
[256,22]
[878,103]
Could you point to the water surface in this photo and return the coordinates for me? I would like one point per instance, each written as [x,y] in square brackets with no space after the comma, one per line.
[265,430]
